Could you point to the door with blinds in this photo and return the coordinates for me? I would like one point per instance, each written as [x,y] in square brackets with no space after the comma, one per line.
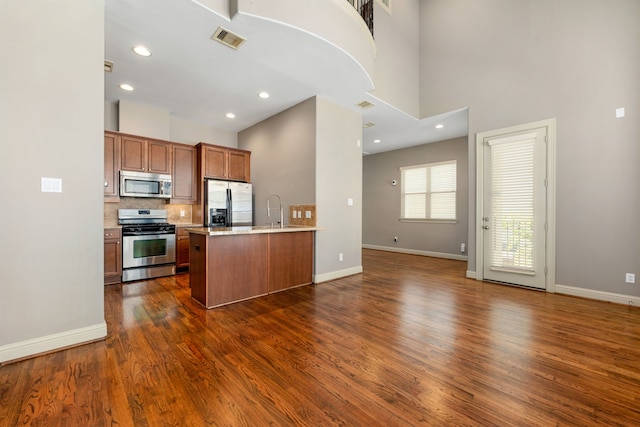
[513,223]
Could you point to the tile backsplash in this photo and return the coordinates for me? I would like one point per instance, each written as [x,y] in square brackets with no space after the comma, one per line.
[173,211]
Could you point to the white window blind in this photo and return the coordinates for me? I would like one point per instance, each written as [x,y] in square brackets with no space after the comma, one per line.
[512,205]
[429,191]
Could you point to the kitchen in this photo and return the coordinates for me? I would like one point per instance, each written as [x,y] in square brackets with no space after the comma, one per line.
[147,235]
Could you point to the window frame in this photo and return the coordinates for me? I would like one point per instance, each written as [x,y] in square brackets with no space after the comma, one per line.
[428,193]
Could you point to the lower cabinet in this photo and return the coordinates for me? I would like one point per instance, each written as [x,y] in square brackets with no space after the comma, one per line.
[235,267]
[112,256]
[182,248]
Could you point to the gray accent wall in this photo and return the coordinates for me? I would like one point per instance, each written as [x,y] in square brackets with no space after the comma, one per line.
[381,201]
[283,159]
[51,116]
[514,62]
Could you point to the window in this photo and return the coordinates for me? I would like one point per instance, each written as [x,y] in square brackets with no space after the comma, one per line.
[429,191]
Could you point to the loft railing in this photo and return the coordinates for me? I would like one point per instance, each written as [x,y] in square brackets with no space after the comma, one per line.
[365,9]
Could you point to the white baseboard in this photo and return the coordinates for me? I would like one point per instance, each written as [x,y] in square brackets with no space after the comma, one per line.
[332,275]
[598,295]
[471,275]
[51,342]
[417,252]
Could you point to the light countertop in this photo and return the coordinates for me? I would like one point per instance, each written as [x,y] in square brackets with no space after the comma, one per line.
[225,231]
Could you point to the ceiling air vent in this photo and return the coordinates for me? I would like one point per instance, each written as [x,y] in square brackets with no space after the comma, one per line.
[365,104]
[368,125]
[227,38]
[108,66]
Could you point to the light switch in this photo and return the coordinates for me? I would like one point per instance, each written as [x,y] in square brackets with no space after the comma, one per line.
[51,185]
[349,201]
[619,112]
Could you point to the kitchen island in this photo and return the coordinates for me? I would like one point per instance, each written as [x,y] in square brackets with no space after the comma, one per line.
[231,264]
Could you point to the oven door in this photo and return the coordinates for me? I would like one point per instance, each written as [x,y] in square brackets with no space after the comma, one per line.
[154,249]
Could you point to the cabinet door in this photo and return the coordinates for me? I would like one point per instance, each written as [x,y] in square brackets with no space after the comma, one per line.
[215,162]
[184,174]
[239,165]
[182,248]
[133,154]
[112,256]
[111,167]
[290,260]
[159,157]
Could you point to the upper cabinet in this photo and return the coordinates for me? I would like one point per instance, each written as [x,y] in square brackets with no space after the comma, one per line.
[145,155]
[184,174]
[224,163]
[111,167]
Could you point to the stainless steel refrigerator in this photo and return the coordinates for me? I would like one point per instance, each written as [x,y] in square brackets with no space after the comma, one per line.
[228,204]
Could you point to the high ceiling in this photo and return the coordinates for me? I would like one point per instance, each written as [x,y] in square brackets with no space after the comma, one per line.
[196,78]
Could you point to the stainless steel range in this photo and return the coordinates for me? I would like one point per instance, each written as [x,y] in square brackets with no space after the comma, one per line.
[148,244]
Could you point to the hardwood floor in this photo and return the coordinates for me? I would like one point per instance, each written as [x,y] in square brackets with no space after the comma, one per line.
[408,342]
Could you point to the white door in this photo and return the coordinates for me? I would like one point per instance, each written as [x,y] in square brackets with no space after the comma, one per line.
[514,207]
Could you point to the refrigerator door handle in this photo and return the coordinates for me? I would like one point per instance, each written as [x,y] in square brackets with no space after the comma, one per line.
[229,209]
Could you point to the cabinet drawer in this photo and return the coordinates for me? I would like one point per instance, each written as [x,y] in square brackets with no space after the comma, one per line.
[182,232]
[112,233]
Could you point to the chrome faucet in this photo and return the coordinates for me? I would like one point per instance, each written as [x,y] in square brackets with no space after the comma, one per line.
[279,208]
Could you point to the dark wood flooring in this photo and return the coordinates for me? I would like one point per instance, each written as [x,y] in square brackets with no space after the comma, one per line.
[408,342]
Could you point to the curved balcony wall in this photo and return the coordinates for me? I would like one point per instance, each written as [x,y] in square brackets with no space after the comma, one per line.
[319,19]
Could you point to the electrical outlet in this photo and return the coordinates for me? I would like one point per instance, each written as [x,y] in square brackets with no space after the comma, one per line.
[630,278]
[182,214]
[340,257]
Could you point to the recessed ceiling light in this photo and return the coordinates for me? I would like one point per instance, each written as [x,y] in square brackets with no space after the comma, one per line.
[127,87]
[141,50]
[439,126]
[230,116]
[263,95]
[376,141]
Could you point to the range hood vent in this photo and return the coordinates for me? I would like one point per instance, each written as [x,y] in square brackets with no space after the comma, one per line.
[228,38]
[108,66]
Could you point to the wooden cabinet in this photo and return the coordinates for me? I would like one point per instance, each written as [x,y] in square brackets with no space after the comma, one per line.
[239,165]
[224,163]
[182,248]
[112,255]
[184,174]
[145,155]
[111,167]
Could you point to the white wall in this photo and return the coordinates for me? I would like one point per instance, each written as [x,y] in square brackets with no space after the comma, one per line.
[51,116]
[189,132]
[576,60]
[397,65]
[338,178]
[152,122]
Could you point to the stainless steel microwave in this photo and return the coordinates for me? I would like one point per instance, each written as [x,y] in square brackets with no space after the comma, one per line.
[141,184]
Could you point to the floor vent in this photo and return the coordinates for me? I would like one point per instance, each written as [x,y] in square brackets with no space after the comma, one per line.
[365,104]
[228,38]
[108,66]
